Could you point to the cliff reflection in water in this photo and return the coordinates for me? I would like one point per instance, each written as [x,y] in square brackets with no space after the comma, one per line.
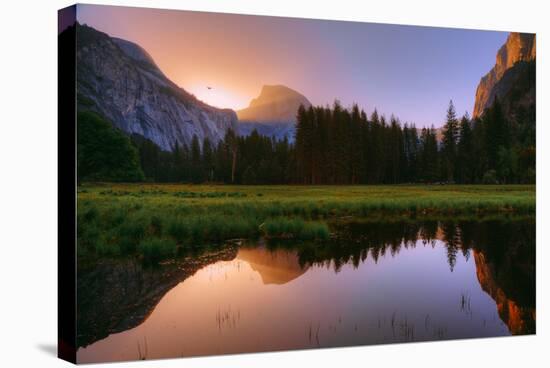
[374,283]
[503,251]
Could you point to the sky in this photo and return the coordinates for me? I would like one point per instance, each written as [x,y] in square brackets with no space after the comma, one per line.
[409,71]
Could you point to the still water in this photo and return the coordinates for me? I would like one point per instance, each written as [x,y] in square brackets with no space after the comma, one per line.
[293,296]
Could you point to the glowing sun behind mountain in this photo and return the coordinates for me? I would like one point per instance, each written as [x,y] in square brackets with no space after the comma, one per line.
[219,96]
[408,71]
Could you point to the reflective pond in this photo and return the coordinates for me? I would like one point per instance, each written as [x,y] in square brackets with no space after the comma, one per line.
[379,283]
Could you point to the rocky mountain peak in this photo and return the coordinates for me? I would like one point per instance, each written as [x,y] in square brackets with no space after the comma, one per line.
[136,52]
[517,48]
[119,80]
[272,93]
[276,103]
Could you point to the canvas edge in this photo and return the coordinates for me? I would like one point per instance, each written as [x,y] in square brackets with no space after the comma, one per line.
[66,188]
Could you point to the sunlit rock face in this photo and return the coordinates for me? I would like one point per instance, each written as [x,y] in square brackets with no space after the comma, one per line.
[272,113]
[274,104]
[519,47]
[519,319]
[120,80]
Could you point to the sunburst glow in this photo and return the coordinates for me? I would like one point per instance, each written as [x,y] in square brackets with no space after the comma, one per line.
[219,96]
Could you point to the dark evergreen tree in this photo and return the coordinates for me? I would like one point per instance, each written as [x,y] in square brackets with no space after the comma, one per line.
[411,151]
[450,137]
[207,160]
[464,171]
[332,145]
[196,172]
[300,139]
[104,153]
[149,157]
[429,159]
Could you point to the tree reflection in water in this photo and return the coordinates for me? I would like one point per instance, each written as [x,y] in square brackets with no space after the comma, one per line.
[354,289]
[503,250]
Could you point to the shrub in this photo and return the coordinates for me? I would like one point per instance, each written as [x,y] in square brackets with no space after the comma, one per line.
[178,229]
[97,140]
[133,229]
[314,230]
[103,248]
[91,214]
[156,225]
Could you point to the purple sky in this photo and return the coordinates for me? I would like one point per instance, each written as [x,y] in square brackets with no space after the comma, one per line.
[409,71]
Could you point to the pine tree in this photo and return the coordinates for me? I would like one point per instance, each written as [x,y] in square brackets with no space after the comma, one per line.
[334,145]
[410,137]
[232,146]
[196,174]
[366,149]
[355,144]
[312,146]
[300,138]
[377,141]
[208,160]
[465,160]
[396,155]
[177,163]
[497,134]
[429,155]
[104,152]
[450,136]
[149,157]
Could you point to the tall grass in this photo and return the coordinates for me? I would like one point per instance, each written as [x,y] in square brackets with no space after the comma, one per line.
[157,221]
[297,228]
[155,250]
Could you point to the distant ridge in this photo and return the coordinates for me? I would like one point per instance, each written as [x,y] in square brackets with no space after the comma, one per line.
[275,103]
[273,112]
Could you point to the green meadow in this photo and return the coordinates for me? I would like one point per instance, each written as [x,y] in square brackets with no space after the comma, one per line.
[160,221]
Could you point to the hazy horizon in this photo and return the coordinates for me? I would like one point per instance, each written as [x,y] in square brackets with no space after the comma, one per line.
[409,71]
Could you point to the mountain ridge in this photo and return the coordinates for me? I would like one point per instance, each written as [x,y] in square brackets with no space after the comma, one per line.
[120,80]
[272,113]
[275,103]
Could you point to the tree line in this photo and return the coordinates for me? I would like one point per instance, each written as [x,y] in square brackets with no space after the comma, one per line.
[332,145]
[343,146]
[254,159]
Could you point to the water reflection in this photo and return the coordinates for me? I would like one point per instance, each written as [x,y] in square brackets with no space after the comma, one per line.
[275,266]
[375,283]
[116,295]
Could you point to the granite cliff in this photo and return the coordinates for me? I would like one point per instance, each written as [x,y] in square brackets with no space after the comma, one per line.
[520,318]
[120,80]
[511,67]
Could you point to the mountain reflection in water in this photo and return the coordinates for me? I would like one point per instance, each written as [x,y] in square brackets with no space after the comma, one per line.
[376,283]
[277,266]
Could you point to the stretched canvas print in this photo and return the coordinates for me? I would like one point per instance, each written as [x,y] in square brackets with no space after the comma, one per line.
[250,183]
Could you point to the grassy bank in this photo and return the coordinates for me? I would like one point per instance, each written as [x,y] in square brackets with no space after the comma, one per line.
[158,221]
